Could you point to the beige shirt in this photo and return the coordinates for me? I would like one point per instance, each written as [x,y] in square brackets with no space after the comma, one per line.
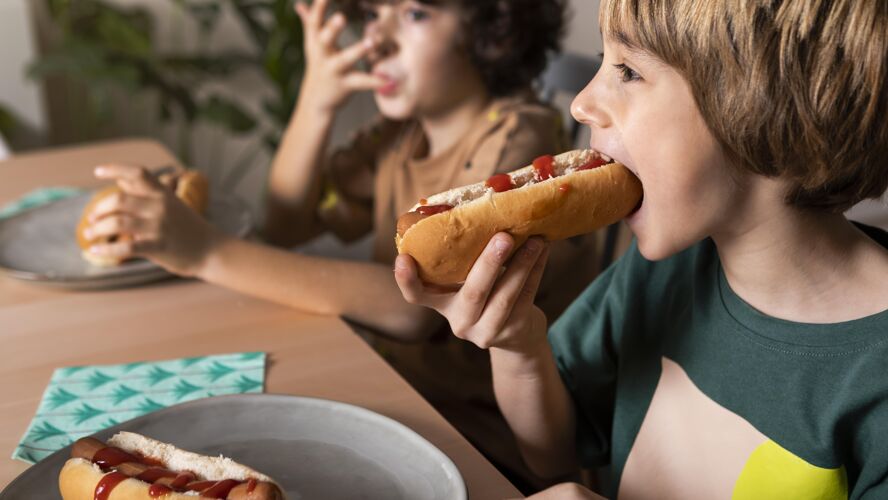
[452,374]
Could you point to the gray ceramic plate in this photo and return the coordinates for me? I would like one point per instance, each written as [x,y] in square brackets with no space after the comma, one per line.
[316,449]
[39,245]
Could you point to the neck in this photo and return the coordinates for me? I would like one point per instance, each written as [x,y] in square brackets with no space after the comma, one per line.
[445,128]
[808,267]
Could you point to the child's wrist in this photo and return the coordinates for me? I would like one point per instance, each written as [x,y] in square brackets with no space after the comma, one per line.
[528,354]
[314,110]
[213,246]
[525,363]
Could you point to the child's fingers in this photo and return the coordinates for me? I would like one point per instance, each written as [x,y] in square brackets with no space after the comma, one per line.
[122,203]
[417,292]
[532,285]
[357,81]
[349,56]
[316,13]
[331,30]
[408,280]
[139,245]
[512,285]
[114,225]
[133,180]
[481,279]
[122,249]
[302,12]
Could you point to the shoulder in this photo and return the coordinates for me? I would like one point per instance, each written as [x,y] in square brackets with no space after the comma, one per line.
[635,287]
[532,128]
[513,131]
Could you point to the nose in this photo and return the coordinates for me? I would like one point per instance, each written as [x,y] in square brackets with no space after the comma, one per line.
[586,107]
[382,32]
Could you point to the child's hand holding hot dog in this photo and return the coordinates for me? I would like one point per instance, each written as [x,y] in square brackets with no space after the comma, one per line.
[153,221]
[492,309]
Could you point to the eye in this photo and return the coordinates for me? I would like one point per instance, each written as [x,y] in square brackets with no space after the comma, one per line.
[416,14]
[368,12]
[627,74]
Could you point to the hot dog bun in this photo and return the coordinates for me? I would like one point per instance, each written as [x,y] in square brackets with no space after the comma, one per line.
[85,243]
[81,476]
[190,186]
[572,202]
[193,188]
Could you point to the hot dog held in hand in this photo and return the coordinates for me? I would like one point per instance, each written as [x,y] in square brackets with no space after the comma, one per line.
[190,186]
[556,197]
[134,467]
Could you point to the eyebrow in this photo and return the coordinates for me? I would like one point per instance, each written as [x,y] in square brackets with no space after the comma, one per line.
[622,38]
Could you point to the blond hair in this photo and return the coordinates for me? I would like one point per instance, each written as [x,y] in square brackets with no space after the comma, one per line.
[791,88]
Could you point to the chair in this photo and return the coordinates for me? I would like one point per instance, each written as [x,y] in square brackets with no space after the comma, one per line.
[569,73]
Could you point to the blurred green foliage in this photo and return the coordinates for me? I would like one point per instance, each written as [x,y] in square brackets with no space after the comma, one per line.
[108,47]
[7,122]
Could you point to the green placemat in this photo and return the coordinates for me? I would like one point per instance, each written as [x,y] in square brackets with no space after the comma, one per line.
[83,400]
[36,198]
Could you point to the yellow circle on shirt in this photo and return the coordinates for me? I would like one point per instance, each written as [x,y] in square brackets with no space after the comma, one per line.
[774,473]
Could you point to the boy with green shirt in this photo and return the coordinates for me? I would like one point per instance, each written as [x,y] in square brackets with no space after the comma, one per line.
[738,349]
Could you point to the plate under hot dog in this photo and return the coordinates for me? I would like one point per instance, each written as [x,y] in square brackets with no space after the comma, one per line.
[39,245]
[314,448]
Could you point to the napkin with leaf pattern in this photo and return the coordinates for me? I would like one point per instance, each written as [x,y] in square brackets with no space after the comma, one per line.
[83,400]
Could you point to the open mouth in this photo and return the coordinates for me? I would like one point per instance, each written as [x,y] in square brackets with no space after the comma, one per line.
[608,159]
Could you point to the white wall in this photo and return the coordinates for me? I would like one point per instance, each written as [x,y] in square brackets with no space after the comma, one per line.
[583,36]
[17,48]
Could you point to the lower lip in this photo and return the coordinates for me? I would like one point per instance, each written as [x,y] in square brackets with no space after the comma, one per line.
[389,89]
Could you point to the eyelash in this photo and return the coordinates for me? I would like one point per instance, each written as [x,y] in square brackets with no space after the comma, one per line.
[416,15]
[628,74]
[368,12]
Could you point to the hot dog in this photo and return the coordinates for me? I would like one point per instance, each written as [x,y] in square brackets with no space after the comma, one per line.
[190,186]
[134,467]
[556,198]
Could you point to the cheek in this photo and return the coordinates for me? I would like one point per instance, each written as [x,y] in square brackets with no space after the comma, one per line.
[434,64]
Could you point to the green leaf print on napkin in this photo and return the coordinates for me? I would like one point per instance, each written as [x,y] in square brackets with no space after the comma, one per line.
[83,400]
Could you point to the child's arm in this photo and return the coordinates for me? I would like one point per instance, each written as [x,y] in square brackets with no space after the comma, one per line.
[294,182]
[495,311]
[172,235]
[566,491]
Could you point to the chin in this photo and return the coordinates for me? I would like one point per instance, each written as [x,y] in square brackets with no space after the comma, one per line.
[659,247]
[394,108]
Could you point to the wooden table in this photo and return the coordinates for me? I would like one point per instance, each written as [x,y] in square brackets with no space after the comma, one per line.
[44,328]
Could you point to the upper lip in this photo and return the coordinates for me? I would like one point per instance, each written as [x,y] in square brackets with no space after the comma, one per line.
[385,75]
[614,158]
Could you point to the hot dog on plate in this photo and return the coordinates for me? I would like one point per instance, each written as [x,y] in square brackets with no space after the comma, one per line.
[134,467]
[190,186]
[556,198]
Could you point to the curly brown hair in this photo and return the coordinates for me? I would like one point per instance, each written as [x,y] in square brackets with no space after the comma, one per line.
[509,41]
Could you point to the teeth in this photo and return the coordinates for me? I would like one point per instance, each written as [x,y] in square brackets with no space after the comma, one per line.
[603,156]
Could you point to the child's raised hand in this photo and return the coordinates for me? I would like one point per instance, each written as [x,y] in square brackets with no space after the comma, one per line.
[330,75]
[161,227]
[492,308]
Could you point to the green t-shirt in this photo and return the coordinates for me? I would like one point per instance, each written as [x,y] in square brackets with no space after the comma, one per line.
[686,391]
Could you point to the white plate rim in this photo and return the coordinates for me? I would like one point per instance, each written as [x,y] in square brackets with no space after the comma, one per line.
[447,464]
